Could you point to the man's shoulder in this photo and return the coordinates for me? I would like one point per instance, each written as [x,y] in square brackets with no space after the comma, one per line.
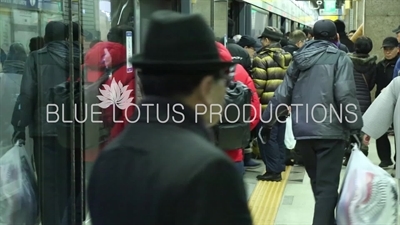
[179,152]
[175,140]
[336,54]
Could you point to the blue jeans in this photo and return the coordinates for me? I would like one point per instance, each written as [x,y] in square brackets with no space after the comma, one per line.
[273,152]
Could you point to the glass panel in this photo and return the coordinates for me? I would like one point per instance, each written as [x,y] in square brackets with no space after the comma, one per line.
[39,56]
[259,20]
[274,20]
[120,26]
[27,86]
[18,24]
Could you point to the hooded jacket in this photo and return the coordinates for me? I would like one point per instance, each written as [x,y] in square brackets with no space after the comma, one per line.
[44,69]
[242,76]
[269,68]
[112,55]
[364,77]
[320,87]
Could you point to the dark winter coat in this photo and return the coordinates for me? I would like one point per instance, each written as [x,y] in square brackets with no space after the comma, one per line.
[168,173]
[320,77]
[364,76]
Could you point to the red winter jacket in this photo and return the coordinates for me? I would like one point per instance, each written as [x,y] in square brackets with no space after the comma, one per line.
[242,76]
[110,55]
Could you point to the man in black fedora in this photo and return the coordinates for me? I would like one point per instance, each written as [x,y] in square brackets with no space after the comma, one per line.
[165,168]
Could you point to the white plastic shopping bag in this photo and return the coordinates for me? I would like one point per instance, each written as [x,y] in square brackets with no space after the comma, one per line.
[369,195]
[290,142]
[18,203]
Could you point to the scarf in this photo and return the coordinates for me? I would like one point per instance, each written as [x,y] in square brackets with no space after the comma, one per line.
[61,49]
[13,66]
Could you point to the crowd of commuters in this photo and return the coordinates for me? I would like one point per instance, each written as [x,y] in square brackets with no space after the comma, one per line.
[183,177]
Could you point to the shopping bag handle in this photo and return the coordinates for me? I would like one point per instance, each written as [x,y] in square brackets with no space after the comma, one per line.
[260,136]
[357,138]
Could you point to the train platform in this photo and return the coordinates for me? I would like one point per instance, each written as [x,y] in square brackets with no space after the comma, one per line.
[289,202]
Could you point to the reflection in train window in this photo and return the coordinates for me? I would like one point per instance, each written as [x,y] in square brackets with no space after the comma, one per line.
[259,20]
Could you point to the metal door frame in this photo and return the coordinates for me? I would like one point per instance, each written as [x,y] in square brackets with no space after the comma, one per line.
[74,201]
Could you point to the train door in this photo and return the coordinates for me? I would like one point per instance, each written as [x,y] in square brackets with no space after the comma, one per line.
[241,14]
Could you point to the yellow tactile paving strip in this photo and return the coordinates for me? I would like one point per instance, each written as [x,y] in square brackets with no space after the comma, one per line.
[266,199]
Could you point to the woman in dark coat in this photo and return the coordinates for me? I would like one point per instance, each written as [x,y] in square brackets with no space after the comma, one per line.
[364,71]
[364,77]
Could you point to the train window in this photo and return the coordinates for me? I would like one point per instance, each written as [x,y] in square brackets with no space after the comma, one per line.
[259,20]
[288,27]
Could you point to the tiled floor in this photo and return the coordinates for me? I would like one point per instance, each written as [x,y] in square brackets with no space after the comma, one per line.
[297,204]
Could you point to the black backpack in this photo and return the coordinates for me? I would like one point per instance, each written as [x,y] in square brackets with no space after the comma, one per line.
[94,133]
[233,132]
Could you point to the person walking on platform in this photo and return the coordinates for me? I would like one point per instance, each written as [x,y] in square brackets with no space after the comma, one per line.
[165,167]
[383,112]
[44,69]
[269,68]
[364,77]
[320,135]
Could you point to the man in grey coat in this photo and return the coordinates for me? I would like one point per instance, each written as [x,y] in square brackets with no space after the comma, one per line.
[320,87]
[383,112]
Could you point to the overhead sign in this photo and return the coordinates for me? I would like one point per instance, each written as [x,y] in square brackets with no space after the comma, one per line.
[323,12]
[20,3]
[330,6]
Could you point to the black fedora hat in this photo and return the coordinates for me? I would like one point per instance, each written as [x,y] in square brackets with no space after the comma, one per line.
[179,42]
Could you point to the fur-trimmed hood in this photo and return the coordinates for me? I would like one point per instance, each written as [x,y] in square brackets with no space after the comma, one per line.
[363,63]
